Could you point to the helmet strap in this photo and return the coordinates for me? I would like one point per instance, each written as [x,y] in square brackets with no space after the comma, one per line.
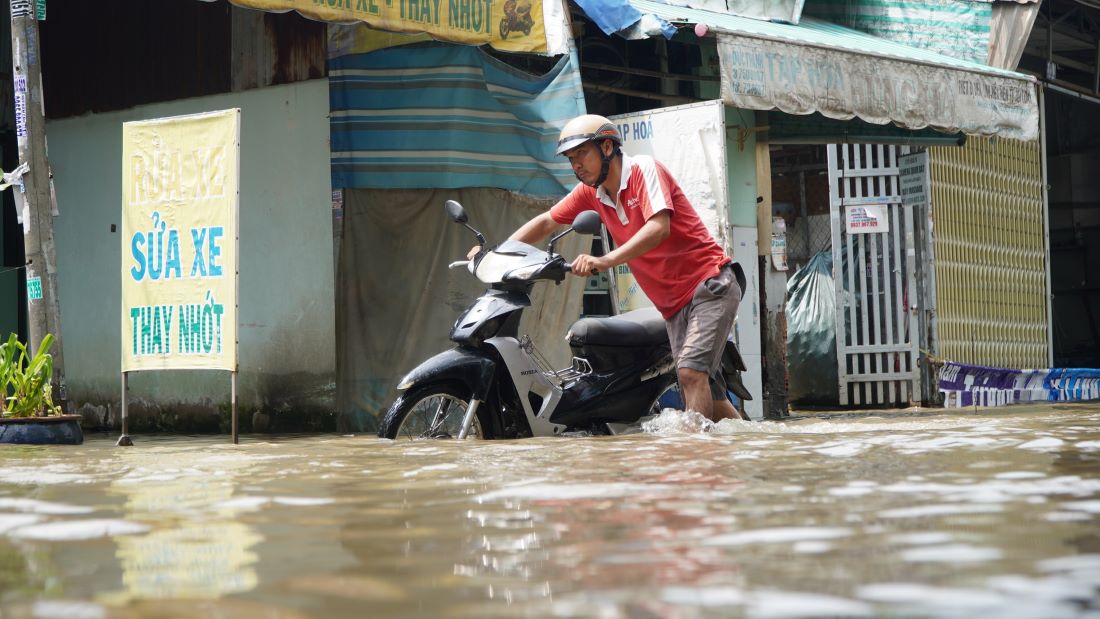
[605,166]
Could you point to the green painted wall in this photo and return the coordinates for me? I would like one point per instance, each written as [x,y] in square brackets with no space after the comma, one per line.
[741,166]
[286,314]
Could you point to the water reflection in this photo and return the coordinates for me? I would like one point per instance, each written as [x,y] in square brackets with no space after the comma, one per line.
[988,514]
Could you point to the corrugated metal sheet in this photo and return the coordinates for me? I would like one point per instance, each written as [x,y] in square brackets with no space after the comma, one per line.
[272,48]
[987,206]
[818,33]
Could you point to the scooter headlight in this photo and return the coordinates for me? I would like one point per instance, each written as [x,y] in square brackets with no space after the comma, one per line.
[524,272]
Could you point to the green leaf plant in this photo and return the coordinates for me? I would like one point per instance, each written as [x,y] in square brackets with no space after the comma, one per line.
[25,381]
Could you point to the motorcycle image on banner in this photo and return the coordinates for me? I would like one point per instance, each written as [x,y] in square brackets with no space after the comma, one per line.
[516,17]
[495,384]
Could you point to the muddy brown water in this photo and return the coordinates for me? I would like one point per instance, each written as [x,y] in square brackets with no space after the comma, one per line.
[992,513]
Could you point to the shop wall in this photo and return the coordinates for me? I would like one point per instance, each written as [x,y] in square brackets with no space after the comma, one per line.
[286,331]
[741,166]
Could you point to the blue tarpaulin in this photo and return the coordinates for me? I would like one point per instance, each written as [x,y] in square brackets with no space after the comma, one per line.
[443,116]
[617,15]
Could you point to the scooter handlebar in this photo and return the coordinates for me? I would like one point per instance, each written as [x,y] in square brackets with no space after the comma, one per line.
[458,264]
[569,269]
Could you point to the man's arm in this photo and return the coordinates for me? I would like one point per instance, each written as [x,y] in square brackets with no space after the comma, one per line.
[531,232]
[535,230]
[651,234]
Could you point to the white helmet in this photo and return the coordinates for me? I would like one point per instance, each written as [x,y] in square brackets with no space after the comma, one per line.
[587,128]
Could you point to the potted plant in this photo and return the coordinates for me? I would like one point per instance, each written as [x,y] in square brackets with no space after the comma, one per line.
[27,411]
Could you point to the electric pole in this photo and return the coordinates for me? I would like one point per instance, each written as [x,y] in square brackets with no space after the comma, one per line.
[34,192]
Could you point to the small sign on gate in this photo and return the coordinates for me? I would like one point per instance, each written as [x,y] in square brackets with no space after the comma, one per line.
[913,174]
[867,218]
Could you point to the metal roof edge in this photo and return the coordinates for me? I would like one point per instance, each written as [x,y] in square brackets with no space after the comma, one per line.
[845,39]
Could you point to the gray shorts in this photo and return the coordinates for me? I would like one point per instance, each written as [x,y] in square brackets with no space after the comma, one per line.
[699,330]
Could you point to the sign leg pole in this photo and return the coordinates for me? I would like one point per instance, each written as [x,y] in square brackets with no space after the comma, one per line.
[124,440]
[233,396]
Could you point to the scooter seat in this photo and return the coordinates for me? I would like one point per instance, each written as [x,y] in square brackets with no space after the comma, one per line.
[642,327]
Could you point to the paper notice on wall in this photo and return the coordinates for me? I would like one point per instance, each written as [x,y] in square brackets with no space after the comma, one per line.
[779,243]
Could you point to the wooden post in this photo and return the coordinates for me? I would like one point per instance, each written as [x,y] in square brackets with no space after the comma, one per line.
[773,291]
[34,195]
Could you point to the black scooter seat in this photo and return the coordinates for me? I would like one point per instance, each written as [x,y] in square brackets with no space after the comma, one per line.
[642,327]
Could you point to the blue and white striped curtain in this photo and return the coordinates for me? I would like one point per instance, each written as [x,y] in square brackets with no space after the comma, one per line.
[439,116]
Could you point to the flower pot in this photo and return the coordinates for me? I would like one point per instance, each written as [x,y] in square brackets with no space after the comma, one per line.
[54,430]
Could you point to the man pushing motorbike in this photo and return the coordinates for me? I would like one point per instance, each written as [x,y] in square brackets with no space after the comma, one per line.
[677,263]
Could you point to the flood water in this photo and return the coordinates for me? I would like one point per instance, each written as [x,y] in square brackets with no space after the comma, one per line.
[973,514]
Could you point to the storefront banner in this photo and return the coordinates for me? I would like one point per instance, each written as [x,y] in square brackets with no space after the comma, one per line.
[690,140]
[179,242]
[765,74]
[975,385]
[508,25]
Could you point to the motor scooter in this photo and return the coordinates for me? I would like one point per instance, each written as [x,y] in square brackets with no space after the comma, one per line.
[496,384]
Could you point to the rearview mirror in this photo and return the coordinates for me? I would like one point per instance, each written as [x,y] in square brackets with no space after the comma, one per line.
[588,222]
[455,211]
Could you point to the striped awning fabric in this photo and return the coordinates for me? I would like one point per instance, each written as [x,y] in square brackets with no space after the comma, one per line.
[449,116]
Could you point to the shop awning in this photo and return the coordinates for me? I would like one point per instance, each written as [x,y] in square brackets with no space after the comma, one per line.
[843,74]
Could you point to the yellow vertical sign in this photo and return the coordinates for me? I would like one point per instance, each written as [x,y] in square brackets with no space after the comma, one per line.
[179,242]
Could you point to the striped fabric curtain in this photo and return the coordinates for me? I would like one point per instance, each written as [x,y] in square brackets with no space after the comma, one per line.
[440,116]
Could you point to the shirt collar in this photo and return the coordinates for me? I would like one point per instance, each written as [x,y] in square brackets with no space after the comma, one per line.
[601,194]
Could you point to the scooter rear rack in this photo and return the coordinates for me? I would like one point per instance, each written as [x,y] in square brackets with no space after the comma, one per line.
[579,368]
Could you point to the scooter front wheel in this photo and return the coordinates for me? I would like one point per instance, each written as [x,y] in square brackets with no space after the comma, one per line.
[434,410]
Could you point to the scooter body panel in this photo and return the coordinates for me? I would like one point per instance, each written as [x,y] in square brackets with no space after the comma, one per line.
[464,365]
[483,319]
[538,396]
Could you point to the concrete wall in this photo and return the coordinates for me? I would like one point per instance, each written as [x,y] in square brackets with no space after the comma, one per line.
[287,324]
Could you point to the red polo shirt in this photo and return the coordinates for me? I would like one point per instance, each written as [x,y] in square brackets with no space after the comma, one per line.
[668,273]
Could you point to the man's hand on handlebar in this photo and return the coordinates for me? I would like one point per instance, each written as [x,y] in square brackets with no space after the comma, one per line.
[473,252]
[585,265]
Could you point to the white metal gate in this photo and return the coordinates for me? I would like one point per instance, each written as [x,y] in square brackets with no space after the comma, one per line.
[873,274]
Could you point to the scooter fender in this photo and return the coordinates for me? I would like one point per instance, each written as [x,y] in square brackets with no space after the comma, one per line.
[464,365]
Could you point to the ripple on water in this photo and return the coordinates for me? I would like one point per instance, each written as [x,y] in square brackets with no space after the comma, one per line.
[768,603]
[67,609]
[919,600]
[45,476]
[919,539]
[256,502]
[41,507]
[78,530]
[14,521]
[778,535]
[950,553]
[566,492]
[1046,443]
[952,509]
